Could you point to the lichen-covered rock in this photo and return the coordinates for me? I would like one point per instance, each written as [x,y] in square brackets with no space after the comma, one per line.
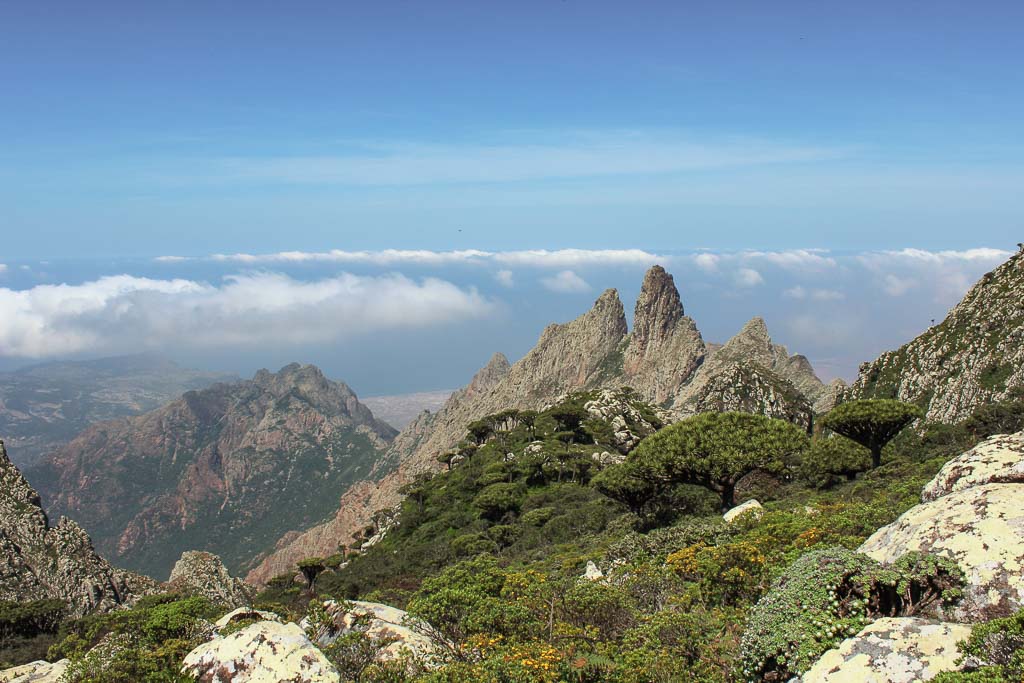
[264,652]
[982,528]
[376,621]
[36,672]
[592,572]
[203,574]
[892,650]
[998,459]
[631,419]
[751,506]
[39,561]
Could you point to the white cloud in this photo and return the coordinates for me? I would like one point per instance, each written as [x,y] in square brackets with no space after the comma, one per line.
[748,277]
[535,258]
[793,259]
[565,282]
[707,261]
[801,293]
[3,267]
[505,278]
[123,312]
[897,286]
[170,259]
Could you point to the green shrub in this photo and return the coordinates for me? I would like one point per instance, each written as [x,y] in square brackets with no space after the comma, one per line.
[830,594]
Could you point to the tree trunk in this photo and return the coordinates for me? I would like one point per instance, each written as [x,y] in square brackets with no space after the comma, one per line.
[876,456]
[728,494]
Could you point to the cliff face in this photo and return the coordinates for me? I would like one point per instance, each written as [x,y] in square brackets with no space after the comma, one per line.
[230,469]
[39,561]
[974,356]
[664,359]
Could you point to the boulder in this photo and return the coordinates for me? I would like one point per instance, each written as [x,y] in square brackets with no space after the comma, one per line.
[891,650]
[982,528]
[751,506]
[592,572]
[377,621]
[264,652]
[199,573]
[36,672]
[998,459]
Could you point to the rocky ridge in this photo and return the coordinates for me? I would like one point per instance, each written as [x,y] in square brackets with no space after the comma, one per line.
[39,561]
[664,359]
[229,468]
[974,356]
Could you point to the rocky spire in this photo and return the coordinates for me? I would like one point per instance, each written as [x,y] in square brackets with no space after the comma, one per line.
[753,343]
[658,308]
[489,375]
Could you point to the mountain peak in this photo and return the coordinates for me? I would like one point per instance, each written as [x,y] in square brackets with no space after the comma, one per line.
[753,341]
[658,307]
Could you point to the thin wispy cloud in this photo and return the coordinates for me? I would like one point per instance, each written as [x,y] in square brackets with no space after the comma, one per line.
[748,277]
[531,258]
[125,313]
[505,278]
[566,155]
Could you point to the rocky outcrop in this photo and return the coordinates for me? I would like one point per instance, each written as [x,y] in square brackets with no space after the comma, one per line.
[231,468]
[996,460]
[973,357]
[974,518]
[203,574]
[39,561]
[630,419]
[36,672]
[664,360]
[381,622]
[892,650]
[264,652]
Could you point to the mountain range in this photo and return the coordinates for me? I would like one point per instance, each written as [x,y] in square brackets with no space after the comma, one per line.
[230,468]
[664,359]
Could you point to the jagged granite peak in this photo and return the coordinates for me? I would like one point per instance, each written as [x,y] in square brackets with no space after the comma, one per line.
[203,574]
[487,376]
[974,356]
[228,469]
[38,561]
[658,307]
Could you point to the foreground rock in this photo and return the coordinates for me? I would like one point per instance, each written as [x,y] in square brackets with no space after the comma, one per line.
[203,574]
[892,650]
[982,528]
[39,561]
[996,460]
[264,652]
[36,672]
[377,621]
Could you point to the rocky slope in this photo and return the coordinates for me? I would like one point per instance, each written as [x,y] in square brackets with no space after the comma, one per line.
[42,407]
[39,561]
[230,469]
[974,356]
[664,359]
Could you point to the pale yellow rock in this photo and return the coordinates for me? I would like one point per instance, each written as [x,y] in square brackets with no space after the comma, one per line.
[891,650]
[36,672]
[982,528]
[751,507]
[998,459]
[384,622]
[264,652]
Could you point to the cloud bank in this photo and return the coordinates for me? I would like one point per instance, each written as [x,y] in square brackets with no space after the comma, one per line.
[125,313]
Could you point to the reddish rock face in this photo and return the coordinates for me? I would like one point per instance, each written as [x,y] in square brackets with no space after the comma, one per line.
[228,469]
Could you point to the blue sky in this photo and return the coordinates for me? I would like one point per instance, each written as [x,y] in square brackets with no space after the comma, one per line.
[131,131]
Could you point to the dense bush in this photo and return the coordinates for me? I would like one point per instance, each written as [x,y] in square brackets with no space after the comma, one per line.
[830,594]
